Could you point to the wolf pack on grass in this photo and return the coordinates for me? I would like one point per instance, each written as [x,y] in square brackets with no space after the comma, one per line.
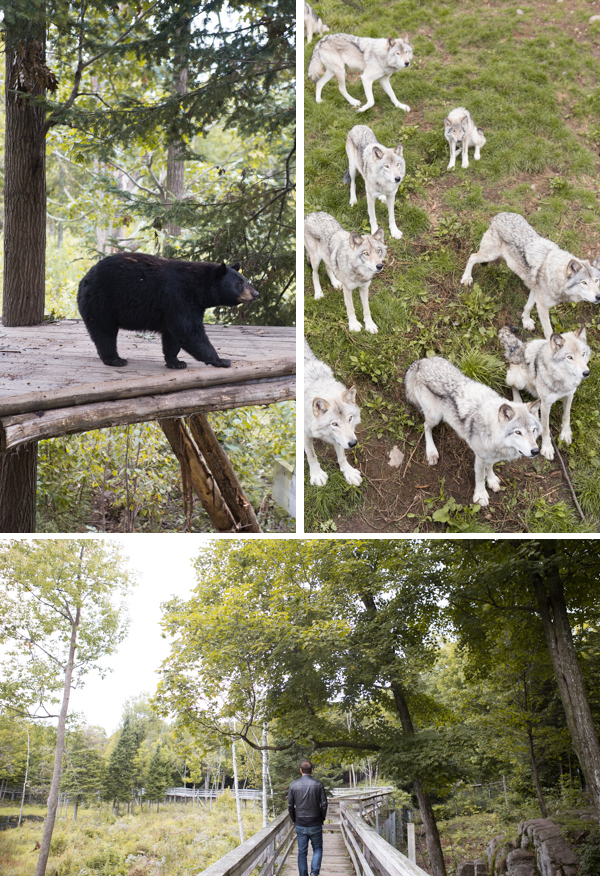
[549,369]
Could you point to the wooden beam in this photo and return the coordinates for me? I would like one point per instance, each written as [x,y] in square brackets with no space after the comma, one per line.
[23,428]
[195,472]
[223,473]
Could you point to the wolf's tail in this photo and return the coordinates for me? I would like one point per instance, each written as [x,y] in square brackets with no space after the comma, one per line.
[513,346]
[410,379]
[316,68]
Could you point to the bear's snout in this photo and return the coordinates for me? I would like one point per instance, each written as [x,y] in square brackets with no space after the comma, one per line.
[248,293]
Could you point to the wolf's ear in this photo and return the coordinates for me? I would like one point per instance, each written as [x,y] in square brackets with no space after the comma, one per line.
[236,267]
[355,239]
[505,412]
[391,42]
[448,123]
[556,341]
[405,40]
[377,153]
[580,333]
[573,268]
[349,395]
[534,406]
[596,263]
[379,234]
[464,120]
[399,150]
[320,406]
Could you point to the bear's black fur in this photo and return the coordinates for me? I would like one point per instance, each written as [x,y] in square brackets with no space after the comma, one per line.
[145,293]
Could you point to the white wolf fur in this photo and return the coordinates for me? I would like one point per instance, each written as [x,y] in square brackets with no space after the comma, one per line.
[330,414]
[351,261]
[493,428]
[461,132]
[548,370]
[377,59]
[551,274]
[381,168]
[312,23]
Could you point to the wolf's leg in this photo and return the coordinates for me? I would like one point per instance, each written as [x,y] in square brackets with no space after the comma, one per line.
[546,449]
[452,154]
[387,87]
[490,249]
[477,153]
[368,87]
[526,319]
[327,75]
[332,277]
[515,380]
[493,481]
[314,260]
[318,477]
[544,316]
[364,297]
[565,433]
[480,496]
[352,475]
[309,30]
[353,323]
[394,230]
[371,210]
[465,154]
[352,172]
[340,75]
[430,449]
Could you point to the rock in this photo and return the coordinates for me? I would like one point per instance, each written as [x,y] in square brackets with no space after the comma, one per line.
[593,18]
[554,853]
[481,868]
[520,862]
[520,12]
[492,848]
[467,868]
[502,853]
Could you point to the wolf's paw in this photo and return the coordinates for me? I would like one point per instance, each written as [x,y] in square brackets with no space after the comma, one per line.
[353,200]
[451,165]
[319,99]
[433,457]
[566,435]
[361,109]
[493,482]
[318,294]
[480,497]
[371,327]
[354,325]
[477,156]
[528,324]
[547,451]
[318,478]
[352,475]
[396,233]
[466,279]
[335,283]
[355,103]
[403,106]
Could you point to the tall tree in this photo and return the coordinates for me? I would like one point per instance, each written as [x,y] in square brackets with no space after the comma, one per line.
[61,613]
[121,770]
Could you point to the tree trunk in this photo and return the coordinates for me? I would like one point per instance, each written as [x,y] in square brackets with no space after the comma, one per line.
[25,176]
[175,162]
[18,482]
[550,597]
[42,862]
[236,789]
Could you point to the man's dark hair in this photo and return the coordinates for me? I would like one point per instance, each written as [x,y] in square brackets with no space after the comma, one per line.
[306,767]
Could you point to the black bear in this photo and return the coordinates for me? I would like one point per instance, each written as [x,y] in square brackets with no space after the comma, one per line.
[146,293]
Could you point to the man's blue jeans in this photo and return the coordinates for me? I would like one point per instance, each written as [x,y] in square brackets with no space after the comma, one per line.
[314,833]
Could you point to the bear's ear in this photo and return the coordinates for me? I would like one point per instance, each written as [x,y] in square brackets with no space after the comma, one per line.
[221,271]
[236,267]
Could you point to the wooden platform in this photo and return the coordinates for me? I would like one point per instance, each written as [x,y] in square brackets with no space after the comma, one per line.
[53,383]
[336,860]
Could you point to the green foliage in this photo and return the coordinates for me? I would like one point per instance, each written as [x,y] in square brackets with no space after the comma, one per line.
[324,504]
[589,859]
[559,517]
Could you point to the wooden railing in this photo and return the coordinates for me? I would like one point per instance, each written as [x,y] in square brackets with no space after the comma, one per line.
[269,848]
[371,855]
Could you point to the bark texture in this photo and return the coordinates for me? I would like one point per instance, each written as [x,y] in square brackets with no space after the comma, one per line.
[25,175]
[18,482]
[175,162]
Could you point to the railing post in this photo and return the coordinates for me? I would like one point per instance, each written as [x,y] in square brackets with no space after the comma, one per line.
[412,852]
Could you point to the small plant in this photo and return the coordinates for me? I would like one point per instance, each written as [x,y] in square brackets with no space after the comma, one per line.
[559,517]
[484,367]
[323,504]
[559,186]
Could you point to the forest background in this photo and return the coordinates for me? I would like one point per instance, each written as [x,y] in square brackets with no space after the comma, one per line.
[432,665]
[170,129]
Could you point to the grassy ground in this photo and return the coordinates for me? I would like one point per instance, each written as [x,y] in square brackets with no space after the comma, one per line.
[530,82]
[178,841]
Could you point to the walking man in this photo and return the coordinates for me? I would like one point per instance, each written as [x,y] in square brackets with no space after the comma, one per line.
[307,805]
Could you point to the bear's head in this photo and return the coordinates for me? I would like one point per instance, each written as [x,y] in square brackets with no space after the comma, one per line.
[230,287]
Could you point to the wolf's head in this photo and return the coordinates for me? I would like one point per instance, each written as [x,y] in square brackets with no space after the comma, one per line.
[336,419]
[389,163]
[571,352]
[368,250]
[520,427]
[455,127]
[399,52]
[583,280]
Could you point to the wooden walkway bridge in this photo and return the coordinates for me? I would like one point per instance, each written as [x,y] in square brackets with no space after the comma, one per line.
[352,845]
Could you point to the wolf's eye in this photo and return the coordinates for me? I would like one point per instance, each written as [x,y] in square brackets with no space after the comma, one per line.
[350,418]
[569,357]
[518,432]
[335,424]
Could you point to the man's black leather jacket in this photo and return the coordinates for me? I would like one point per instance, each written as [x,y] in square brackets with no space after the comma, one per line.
[307,801]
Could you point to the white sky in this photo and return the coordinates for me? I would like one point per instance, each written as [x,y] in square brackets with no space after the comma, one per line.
[163,564]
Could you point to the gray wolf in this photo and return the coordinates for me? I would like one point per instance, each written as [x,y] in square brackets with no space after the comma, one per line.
[548,370]
[330,414]
[461,132]
[351,261]
[312,23]
[493,428]
[381,168]
[376,59]
[551,274]
[145,293]
[307,806]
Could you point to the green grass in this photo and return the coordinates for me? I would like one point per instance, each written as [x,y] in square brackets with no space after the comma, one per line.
[531,83]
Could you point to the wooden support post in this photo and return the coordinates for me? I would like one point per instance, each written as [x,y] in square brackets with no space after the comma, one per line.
[223,473]
[195,471]
[18,477]
[412,851]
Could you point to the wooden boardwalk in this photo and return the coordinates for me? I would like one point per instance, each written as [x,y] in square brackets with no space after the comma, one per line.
[336,860]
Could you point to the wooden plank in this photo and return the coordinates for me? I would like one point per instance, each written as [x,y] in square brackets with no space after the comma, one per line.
[389,860]
[23,428]
[237,861]
[55,366]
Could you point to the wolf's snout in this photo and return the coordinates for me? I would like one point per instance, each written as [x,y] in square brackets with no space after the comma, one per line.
[353,443]
[397,178]
[586,373]
[535,451]
[379,267]
[597,297]
[407,63]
